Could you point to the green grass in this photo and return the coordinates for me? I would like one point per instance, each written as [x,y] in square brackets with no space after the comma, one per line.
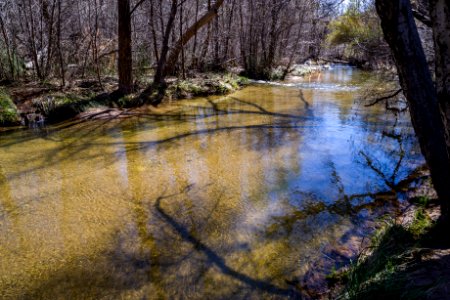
[61,107]
[421,201]
[57,108]
[8,111]
[214,85]
[383,273]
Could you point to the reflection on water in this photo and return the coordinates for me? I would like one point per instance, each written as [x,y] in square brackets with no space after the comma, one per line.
[252,195]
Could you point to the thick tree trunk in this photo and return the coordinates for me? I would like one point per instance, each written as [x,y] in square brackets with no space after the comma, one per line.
[440,20]
[401,34]
[125,63]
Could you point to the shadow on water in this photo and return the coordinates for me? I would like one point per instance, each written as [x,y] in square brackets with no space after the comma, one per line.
[84,134]
[218,261]
[348,204]
[398,155]
[113,273]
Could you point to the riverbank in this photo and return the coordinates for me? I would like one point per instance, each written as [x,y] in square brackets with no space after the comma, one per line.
[31,103]
[408,258]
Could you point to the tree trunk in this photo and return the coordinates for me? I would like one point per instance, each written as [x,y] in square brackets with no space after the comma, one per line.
[159,78]
[166,66]
[401,34]
[61,58]
[440,20]
[228,36]
[8,50]
[184,39]
[125,63]
[194,60]
[152,24]
[183,69]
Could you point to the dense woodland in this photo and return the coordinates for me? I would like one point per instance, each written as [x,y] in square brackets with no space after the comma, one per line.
[72,39]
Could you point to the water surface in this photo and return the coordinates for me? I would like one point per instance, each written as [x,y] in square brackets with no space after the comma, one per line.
[253,195]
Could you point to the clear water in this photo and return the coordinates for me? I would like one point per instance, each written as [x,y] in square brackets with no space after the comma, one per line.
[253,195]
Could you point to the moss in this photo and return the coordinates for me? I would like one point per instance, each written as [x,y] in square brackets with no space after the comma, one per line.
[9,114]
[219,87]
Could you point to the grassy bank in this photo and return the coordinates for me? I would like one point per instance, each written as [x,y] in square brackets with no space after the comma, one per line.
[204,86]
[58,105]
[407,259]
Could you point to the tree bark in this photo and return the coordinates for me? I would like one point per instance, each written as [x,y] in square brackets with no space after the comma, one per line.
[125,63]
[440,19]
[401,34]
[152,24]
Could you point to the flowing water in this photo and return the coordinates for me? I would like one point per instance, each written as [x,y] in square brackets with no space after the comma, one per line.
[251,195]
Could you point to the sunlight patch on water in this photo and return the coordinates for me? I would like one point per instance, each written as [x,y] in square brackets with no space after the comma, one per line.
[312,85]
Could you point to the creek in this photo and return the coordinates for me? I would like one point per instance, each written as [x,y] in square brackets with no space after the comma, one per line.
[251,195]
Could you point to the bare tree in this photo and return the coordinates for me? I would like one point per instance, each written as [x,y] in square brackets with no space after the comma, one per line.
[166,65]
[131,38]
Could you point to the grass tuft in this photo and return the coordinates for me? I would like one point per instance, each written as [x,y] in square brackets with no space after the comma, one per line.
[380,271]
[9,114]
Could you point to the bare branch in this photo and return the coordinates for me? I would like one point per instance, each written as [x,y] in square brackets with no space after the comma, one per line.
[378,100]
